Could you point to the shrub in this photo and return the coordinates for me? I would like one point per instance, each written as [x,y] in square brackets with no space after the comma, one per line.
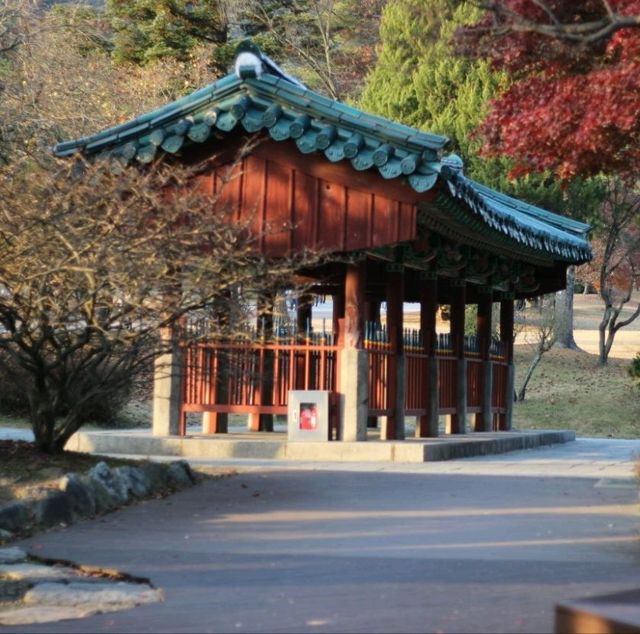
[113,389]
[634,368]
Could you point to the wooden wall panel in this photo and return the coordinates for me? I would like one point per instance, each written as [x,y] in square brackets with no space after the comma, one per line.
[358,217]
[278,203]
[385,226]
[305,209]
[408,219]
[291,209]
[252,201]
[331,213]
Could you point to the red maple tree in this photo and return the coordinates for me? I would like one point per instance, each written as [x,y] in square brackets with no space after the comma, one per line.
[573,106]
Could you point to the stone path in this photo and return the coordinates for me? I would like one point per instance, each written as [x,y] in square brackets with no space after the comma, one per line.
[51,593]
[478,545]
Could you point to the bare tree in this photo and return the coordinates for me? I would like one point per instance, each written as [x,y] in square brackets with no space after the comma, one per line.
[539,330]
[605,22]
[334,39]
[617,258]
[61,83]
[96,264]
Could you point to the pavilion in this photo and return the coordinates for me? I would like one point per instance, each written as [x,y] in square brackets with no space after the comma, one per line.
[407,225]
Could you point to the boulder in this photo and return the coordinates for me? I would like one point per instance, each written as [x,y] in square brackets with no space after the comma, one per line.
[15,515]
[54,510]
[5,535]
[180,474]
[12,555]
[134,479]
[79,493]
[44,614]
[102,497]
[33,573]
[157,474]
[112,481]
[103,597]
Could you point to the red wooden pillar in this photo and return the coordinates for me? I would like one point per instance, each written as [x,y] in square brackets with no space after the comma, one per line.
[354,281]
[506,336]
[428,423]
[394,427]
[263,394]
[484,420]
[458,304]
[353,366]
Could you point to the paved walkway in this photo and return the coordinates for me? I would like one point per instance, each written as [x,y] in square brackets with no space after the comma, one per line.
[475,545]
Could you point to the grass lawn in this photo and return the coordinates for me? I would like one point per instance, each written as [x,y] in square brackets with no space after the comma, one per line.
[570,391]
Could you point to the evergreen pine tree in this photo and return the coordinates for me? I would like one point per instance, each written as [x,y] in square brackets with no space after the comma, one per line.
[146,30]
[419,80]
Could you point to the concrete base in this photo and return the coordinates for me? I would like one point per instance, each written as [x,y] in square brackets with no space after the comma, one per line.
[261,446]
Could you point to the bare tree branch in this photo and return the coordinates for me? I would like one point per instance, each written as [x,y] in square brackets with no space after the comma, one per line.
[589,32]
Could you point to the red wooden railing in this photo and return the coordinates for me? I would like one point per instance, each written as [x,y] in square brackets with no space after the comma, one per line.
[253,377]
[256,376]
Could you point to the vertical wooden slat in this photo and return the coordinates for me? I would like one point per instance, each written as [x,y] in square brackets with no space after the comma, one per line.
[395,382]
[458,304]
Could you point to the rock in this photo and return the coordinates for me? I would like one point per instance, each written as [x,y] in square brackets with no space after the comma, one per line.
[135,480]
[12,555]
[5,535]
[103,597]
[157,474]
[36,572]
[46,614]
[102,498]
[112,481]
[180,474]
[80,495]
[15,515]
[54,509]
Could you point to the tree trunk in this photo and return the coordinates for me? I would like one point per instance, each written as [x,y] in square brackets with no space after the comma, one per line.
[605,341]
[564,313]
[527,378]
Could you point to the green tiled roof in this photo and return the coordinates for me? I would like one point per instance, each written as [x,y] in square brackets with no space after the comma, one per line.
[258,96]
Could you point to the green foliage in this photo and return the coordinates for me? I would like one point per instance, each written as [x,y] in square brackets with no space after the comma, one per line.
[419,80]
[147,30]
[634,368]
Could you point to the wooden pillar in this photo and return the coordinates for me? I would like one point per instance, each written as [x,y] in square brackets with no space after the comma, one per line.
[484,419]
[353,366]
[506,336]
[428,424]
[393,428]
[458,304]
[264,388]
[354,282]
